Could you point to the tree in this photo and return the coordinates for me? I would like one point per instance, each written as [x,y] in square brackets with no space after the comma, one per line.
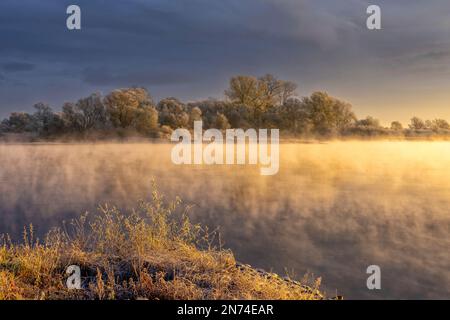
[45,122]
[173,113]
[294,116]
[236,114]
[122,104]
[18,122]
[259,95]
[88,113]
[369,122]
[396,126]
[439,124]
[93,112]
[277,91]
[222,122]
[288,89]
[146,120]
[272,89]
[328,114]
[71,117]
[417,124]
[249,91]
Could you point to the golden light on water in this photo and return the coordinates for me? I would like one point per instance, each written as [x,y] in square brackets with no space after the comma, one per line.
[333,209]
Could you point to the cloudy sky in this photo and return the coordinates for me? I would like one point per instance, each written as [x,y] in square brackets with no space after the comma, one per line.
[190,48]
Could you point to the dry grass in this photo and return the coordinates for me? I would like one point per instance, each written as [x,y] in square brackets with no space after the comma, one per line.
[152,253]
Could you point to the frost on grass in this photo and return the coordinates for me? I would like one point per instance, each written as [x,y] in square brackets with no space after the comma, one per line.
[153,252]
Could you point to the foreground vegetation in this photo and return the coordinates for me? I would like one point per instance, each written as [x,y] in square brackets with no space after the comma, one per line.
[264,102]
[152,253]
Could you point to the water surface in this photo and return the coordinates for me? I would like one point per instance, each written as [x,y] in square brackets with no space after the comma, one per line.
[332,210]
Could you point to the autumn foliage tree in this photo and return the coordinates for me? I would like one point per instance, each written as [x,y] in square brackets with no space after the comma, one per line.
[123,105]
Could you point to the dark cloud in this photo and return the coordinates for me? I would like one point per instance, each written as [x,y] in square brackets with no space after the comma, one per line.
[103,77]
[190,48]
[17,66]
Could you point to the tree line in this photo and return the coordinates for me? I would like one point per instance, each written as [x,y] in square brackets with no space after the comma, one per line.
[250,102]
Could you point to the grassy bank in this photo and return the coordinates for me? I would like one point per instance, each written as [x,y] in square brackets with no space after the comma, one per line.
[154,252]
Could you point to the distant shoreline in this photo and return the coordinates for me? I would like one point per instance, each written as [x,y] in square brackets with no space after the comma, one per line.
[26,140]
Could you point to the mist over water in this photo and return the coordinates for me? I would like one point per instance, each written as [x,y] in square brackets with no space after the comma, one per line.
[332,210]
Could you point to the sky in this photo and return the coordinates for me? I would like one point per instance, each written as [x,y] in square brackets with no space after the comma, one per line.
[190,48]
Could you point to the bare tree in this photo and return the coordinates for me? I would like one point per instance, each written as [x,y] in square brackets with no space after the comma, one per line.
[417,124]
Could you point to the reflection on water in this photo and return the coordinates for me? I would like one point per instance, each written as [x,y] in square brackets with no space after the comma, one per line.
[332,210]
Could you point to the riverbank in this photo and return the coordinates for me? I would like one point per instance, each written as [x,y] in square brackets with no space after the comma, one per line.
[152,253]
